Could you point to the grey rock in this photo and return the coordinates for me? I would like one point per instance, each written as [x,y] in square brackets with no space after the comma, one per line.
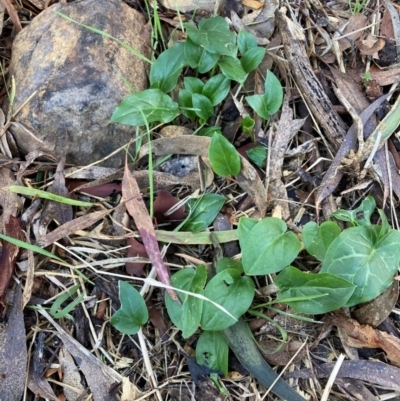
[77,78]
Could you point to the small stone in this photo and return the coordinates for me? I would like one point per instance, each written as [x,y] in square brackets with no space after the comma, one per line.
[76,77]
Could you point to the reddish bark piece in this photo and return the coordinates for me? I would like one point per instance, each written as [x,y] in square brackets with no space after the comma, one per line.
[136,249]
[9,255]
[164,202]
[364,336]
[137,209]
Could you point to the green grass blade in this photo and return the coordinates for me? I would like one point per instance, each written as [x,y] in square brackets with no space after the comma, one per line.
[189,238]
[46,195]
[30,247]
[107,35]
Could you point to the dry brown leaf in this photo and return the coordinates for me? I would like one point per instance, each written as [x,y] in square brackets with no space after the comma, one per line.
[30,274]
[13,14]
[13,353]
[375,312]
[9,201]
[137,209]
[72,226]
[70,375]
[355,23]
[99,376]
[370,46]
[284,354]
[364,336]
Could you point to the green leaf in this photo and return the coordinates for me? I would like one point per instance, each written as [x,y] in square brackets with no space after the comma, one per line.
[317,239]
[165,71]
[30,247]
[214,35]
[193,85]
[232,69]
[246,224]
[203,211]
[187,316]
[230,290]
[133,312]
[150,105]
[363,257]
[55,308]
[46,195]
[198,57]
[248,124]
[259,104]
[210,131]
[246,41]
[258,155]
[273,93]
[294,283]
[227,263]
[268,248]
[203,106]
[217,88]
[186,104]
[252,58]
[224,158]
[212,351]
[360,216]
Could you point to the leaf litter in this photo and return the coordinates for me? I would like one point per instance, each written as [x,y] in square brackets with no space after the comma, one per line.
[352,47]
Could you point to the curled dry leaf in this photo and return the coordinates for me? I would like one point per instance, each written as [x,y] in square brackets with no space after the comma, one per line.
[364,336]
[137,209]
[355,23]
[370,46]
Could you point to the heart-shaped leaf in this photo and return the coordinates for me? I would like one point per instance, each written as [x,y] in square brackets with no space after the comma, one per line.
[214,35]
[224,158]
[230,290]
[212,351]
[268,247]
[317,239]
[165,71]
[320,293]
[187,315]
[133,312]
[148,106]
[363,257]
[217,88]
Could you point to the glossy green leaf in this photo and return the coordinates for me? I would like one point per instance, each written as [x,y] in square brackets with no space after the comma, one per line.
[246,41]
[210,131]
[258,155]
[186,104]
[363,257]
[360,216]
[252,58]
[230,290]
[224,158]
[214,35]
[193,85]
[259,104]
[151,105]
[273,93]
[165,71]
[212,351]
[232,69]
[317,239]
[334,291]
[228,263]
[246,224]
[198,57]
[217,88]
[202,105]
[268,247]
[133,312]
[187,315]
[203,212]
